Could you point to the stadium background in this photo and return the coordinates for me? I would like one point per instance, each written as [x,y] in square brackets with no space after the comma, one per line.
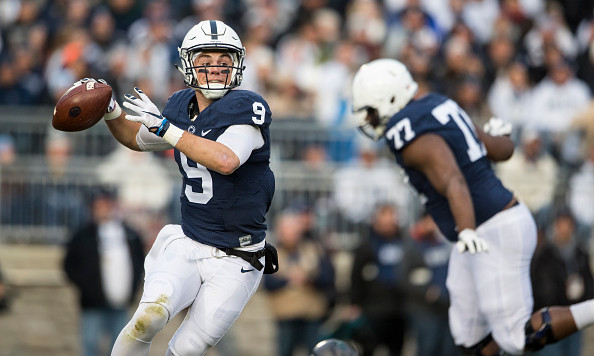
[301,56]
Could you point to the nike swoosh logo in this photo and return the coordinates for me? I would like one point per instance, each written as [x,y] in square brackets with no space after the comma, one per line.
[205,132]
[155,115]
[246,270]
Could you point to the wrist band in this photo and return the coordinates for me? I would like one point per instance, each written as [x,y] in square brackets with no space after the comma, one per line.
[173,134]
[117,111]
[162,129]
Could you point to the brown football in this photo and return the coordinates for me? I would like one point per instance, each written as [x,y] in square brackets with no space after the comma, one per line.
[81,107]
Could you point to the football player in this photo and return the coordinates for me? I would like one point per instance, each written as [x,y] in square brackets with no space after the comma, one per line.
[447,160]
[213,261]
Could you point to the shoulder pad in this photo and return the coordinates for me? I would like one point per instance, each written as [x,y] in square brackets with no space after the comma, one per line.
[246,106]
[178,102]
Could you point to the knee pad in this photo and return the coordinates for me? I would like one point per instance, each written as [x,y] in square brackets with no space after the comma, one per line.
[147,321]
[476,350]
[537,339]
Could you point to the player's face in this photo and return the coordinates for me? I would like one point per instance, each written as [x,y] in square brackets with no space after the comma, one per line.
[213,67]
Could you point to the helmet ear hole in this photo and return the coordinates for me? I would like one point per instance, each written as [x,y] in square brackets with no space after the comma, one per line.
[392,100]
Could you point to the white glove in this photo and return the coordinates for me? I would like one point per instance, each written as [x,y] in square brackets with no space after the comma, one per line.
[86,80]
[469,240]
[147,113]
[113,109]
[498,127]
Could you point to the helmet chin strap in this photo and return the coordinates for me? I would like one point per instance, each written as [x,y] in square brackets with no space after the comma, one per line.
[213,94]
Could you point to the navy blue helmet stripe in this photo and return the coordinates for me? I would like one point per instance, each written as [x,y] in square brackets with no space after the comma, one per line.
[213,30]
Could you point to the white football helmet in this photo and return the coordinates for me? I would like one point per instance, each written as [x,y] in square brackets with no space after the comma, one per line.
[381,88]
[211,35]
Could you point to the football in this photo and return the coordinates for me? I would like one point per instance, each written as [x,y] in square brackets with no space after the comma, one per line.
[81,106]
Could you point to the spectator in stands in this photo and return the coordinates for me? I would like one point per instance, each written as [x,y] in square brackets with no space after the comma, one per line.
[509,95]
[260,55]
[583,124]
[585,60]
[580,195]
[500,54]
[59,199]
[298,292]
[532,173]
[426,267]
[469,95]
[152,51]
[145,211]
[104,260]
[459,59]
[377,293]
[125,12]
[105,39]
[332,108]
[561,275]
[67,63]
[382,183]
[366,27]
[480,17]
[411,26]
[14,207]
[549,31]
[297,54]
[555,102]
[7,150]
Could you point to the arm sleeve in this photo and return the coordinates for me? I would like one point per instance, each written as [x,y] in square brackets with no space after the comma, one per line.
[148,141]
[242,140]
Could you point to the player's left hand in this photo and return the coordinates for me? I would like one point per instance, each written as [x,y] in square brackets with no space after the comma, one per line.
[468,240]
[147,113]
[498,127]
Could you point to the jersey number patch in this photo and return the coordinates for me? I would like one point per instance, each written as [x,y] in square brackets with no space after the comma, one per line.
[396,130]
[450,110]
[196,172]
[259,110]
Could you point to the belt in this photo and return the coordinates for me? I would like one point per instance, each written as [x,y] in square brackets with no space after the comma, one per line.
[511,204]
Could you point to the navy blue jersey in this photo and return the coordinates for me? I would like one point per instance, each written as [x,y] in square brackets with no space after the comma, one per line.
[216,209]
[436,114]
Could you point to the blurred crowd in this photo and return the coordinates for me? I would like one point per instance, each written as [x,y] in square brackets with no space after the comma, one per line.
[528,61]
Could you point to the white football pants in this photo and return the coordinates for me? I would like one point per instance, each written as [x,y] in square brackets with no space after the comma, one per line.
[181,272]
[491,292]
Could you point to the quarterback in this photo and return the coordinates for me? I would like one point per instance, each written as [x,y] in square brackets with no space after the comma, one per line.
[214,260]
[447,160]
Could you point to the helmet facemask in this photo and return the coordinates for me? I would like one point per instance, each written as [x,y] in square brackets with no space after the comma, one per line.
[381,88]
[370,123]
[233,74]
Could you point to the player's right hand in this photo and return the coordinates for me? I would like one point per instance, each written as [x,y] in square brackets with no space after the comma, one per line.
[86,80]
[498,127]
[113,109]
[468,240]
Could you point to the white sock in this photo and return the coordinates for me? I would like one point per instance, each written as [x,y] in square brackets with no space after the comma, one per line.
[583,313]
